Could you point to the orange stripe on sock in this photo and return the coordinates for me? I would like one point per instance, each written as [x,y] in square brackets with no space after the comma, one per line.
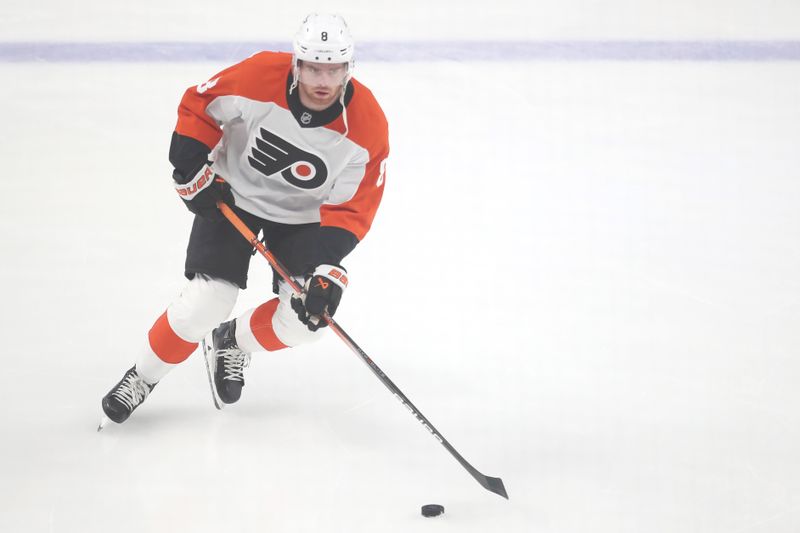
[261,326]
[166,344]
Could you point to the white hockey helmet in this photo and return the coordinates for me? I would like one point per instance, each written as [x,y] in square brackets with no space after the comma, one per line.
[324,38]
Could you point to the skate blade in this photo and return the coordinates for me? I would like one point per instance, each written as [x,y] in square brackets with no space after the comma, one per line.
[103,423]
[208,355]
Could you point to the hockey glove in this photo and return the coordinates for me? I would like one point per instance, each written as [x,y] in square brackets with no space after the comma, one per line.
[201,193]
[322,292]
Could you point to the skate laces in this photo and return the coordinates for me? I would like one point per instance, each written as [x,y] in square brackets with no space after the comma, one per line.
[132,391]
[234,361]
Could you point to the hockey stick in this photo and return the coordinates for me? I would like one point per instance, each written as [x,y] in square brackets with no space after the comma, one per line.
[493,484]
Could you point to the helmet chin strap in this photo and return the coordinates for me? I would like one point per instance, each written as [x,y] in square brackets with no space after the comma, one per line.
[344,109]
[295,77]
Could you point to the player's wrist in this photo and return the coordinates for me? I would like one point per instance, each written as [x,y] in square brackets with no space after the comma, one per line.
[336,273]
[202,180]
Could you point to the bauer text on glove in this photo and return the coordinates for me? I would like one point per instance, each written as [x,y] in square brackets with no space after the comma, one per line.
[202,191]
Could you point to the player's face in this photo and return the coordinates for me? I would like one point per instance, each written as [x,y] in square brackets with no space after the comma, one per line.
[321,83]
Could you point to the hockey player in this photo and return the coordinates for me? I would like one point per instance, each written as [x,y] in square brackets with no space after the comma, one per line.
[299,148]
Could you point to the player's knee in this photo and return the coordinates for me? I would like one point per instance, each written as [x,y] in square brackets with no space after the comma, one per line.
[289,329]
[203,304]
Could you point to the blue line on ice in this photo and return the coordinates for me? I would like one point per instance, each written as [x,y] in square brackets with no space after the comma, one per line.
[413,51]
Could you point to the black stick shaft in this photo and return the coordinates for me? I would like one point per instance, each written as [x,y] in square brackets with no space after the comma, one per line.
[492,484]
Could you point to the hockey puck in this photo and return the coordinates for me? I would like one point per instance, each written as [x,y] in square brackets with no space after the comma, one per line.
[432,509]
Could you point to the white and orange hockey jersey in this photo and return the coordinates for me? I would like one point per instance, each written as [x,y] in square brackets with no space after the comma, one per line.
[284,162]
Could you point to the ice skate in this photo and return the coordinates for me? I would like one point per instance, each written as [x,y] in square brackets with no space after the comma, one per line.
[126,396]
[225,363]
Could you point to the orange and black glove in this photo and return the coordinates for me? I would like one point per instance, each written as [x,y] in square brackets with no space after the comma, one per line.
[323,292]
[201,192]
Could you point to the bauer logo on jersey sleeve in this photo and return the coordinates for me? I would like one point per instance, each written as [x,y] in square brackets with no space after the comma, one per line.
[272,155]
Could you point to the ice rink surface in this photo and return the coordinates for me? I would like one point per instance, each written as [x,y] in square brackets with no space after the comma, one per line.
[585,274]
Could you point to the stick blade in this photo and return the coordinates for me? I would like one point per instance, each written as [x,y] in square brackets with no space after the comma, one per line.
[494,484]
[103,423]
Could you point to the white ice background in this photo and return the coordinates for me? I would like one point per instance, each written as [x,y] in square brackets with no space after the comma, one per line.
[584,273]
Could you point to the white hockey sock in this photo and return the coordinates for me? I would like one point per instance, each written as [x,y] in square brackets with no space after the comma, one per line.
[150,367]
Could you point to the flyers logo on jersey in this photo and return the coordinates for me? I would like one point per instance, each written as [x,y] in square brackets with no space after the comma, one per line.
[271,155]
